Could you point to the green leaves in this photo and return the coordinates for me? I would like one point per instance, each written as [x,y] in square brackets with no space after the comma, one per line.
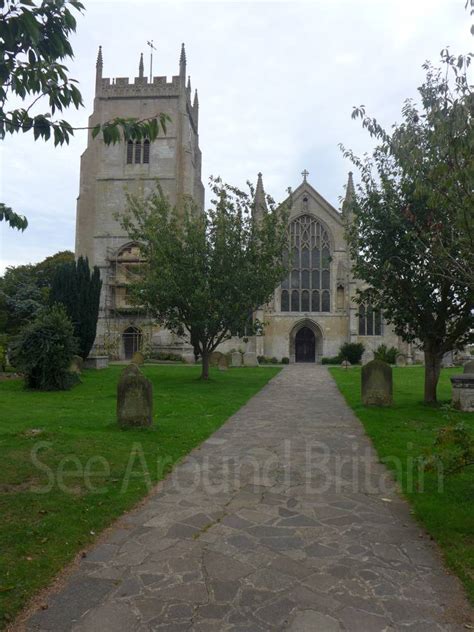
[8,215]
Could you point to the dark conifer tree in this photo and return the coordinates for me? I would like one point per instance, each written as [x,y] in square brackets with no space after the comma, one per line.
[78,289]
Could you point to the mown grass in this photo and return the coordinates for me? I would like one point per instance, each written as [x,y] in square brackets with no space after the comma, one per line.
[70,431]
[408,430]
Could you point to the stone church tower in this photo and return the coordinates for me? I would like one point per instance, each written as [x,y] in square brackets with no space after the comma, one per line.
[109,172]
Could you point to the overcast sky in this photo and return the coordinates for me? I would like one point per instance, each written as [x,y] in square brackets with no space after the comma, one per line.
[276,81]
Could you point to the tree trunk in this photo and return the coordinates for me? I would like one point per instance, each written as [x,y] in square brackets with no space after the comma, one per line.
[432,371]
[205,365]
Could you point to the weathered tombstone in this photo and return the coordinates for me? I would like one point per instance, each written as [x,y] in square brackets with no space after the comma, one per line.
[138,358]
[250,359]
[76,364]
[224,363]
[376,384]
[463,392]
[401,359]
[214,358]
[236,359]
[134,398]
[345,364]
[469,366]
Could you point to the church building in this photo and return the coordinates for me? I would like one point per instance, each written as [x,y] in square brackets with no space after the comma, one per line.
[312,313]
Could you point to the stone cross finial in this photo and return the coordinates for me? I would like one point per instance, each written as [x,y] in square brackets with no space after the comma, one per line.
[305,174]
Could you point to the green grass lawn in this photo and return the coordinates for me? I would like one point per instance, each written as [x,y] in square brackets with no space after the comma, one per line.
[40,532]
[405,431]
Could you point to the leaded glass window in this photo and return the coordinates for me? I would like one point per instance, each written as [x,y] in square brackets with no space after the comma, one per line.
[308,285]
[370,321]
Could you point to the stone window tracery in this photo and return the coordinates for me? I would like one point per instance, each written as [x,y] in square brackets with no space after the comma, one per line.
[307,287]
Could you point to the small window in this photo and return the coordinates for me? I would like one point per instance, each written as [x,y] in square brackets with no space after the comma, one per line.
[285,301]
[325,302]
[370,321]
[146,152]
[295,301]
[305,301]
[138,153]
[129,152]
[315,307]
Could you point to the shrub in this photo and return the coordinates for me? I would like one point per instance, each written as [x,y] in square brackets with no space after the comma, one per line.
[261,359]
[351,351]
[3,352]
[385,354]
[331,360]
[44,350]
[274,360]
[285,360]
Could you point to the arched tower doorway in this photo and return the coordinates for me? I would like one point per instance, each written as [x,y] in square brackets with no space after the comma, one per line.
[132,341]
[306,342]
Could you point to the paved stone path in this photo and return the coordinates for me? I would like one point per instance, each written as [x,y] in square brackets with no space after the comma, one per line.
[282,520]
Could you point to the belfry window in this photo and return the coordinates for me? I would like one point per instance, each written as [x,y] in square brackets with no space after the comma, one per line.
[307,287]
[138,153]
[370,321]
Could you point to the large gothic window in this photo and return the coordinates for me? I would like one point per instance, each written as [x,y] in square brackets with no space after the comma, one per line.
[307,288]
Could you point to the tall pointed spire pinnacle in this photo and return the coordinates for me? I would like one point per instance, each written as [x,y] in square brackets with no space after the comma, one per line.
[189,86]
[196,100]
[98,70]
[259,204]
[141,68]
[349,197]
[182,64]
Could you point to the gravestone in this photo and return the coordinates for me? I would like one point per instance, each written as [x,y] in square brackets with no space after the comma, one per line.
[134,398]
[76,364]
[188,358]
[224,363]
[138,358]
[376,384]
[469,366]
[250,359]
[236,359]
[345,364]
[214,358]
[401,359]
[463,392]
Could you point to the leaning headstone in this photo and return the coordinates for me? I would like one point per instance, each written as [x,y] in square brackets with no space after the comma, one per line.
[463,392]
[134,398]
[236,359]
[76,364]
[214,358]
[469,366]
[138,358]
[250,359]
[376,384]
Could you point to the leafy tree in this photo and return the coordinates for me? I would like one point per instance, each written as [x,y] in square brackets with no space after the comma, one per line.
[78,290]
[34,41]
[411,235]
[24,290]
[44,350]
[205,274]
[352,352]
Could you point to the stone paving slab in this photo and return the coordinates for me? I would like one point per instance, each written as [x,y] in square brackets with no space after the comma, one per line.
[282,520]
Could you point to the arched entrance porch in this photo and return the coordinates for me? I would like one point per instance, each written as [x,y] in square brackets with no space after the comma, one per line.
[306,342]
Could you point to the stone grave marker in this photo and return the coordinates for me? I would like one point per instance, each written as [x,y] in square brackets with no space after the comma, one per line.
[134,398]
[377,384]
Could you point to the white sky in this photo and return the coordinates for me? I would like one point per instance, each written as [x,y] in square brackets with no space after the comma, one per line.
[277,82]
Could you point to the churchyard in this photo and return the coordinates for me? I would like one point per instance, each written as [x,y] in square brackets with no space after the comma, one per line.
[65,461]
[407,430]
